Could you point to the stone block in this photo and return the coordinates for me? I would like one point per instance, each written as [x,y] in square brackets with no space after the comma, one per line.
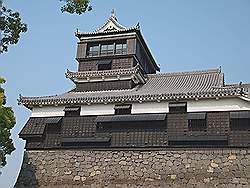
[157,168]
[76,178]
[232,157]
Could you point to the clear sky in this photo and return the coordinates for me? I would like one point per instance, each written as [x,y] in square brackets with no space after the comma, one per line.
[182,35]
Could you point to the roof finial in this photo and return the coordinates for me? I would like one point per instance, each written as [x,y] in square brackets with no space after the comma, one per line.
[113,13]
[137,25]
[220,69]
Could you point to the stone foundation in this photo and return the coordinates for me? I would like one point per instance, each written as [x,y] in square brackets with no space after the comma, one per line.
[158,168]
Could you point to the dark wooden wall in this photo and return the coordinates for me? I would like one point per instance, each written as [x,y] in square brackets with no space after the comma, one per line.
[218,123]
[103,86]
[117,63]
[143,59]
[81,51]
[137,134]
[134,49]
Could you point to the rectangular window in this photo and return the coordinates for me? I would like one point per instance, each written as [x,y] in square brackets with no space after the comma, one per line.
[105,65]
[121,48]
[93,51]
[53,124]
[175,107]
[197,122]
[123,109]
[107,49]
[240,121]
[72,111]
[53,120]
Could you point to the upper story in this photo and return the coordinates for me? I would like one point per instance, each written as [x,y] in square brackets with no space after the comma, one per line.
[113,47]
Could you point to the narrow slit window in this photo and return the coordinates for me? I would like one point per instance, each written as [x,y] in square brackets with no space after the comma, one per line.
[53,125]
[175,107]
[123,109]
[72,111]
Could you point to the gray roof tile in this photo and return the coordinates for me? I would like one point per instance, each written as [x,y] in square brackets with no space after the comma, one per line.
[34,127]
[167,86]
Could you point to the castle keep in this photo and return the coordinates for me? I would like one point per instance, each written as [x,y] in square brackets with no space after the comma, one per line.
[121,107]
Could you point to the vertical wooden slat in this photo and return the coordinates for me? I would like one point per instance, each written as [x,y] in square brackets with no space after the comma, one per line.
[131,46]
[108,85]
[81,50]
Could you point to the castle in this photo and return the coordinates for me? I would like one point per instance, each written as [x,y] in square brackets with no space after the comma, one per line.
[120,102]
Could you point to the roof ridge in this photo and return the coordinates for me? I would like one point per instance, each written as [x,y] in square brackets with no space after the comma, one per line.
[237,85]
[133,28]
[100,91]
[196,72]
[38,97]
[112,20]
[232,86]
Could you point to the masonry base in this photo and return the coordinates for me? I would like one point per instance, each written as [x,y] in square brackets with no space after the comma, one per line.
[158,168]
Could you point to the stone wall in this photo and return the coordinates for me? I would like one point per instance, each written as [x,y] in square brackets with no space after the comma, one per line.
[155,168]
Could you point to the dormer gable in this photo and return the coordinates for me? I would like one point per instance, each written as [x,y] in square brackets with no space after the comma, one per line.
[111,24]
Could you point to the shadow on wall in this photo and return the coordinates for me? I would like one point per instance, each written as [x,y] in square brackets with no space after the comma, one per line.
[27,177]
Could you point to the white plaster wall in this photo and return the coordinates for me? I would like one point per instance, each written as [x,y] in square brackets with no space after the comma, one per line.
[232,104]
[47,111]
[97,109]
[150,107]
[218,105]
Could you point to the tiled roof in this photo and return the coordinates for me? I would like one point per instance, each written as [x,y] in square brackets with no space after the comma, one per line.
[34,127]
[167,86]
[53,120]
[129,117]
[87,34]
[111,20]
[115,73]
[110,26]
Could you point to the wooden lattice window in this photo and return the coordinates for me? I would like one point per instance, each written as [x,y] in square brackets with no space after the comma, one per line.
[121,48]
[240,121]
[197,122]
[93,50]
[107,49]
[104,65]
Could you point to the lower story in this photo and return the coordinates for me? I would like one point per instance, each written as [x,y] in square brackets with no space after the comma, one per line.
[173,129]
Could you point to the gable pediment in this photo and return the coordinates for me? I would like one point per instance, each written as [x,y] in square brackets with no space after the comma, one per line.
[111,25]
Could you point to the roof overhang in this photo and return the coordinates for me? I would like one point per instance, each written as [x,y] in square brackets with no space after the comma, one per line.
[134,73]
[30,102]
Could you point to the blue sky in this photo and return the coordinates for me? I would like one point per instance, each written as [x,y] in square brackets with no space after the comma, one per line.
[182,35]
